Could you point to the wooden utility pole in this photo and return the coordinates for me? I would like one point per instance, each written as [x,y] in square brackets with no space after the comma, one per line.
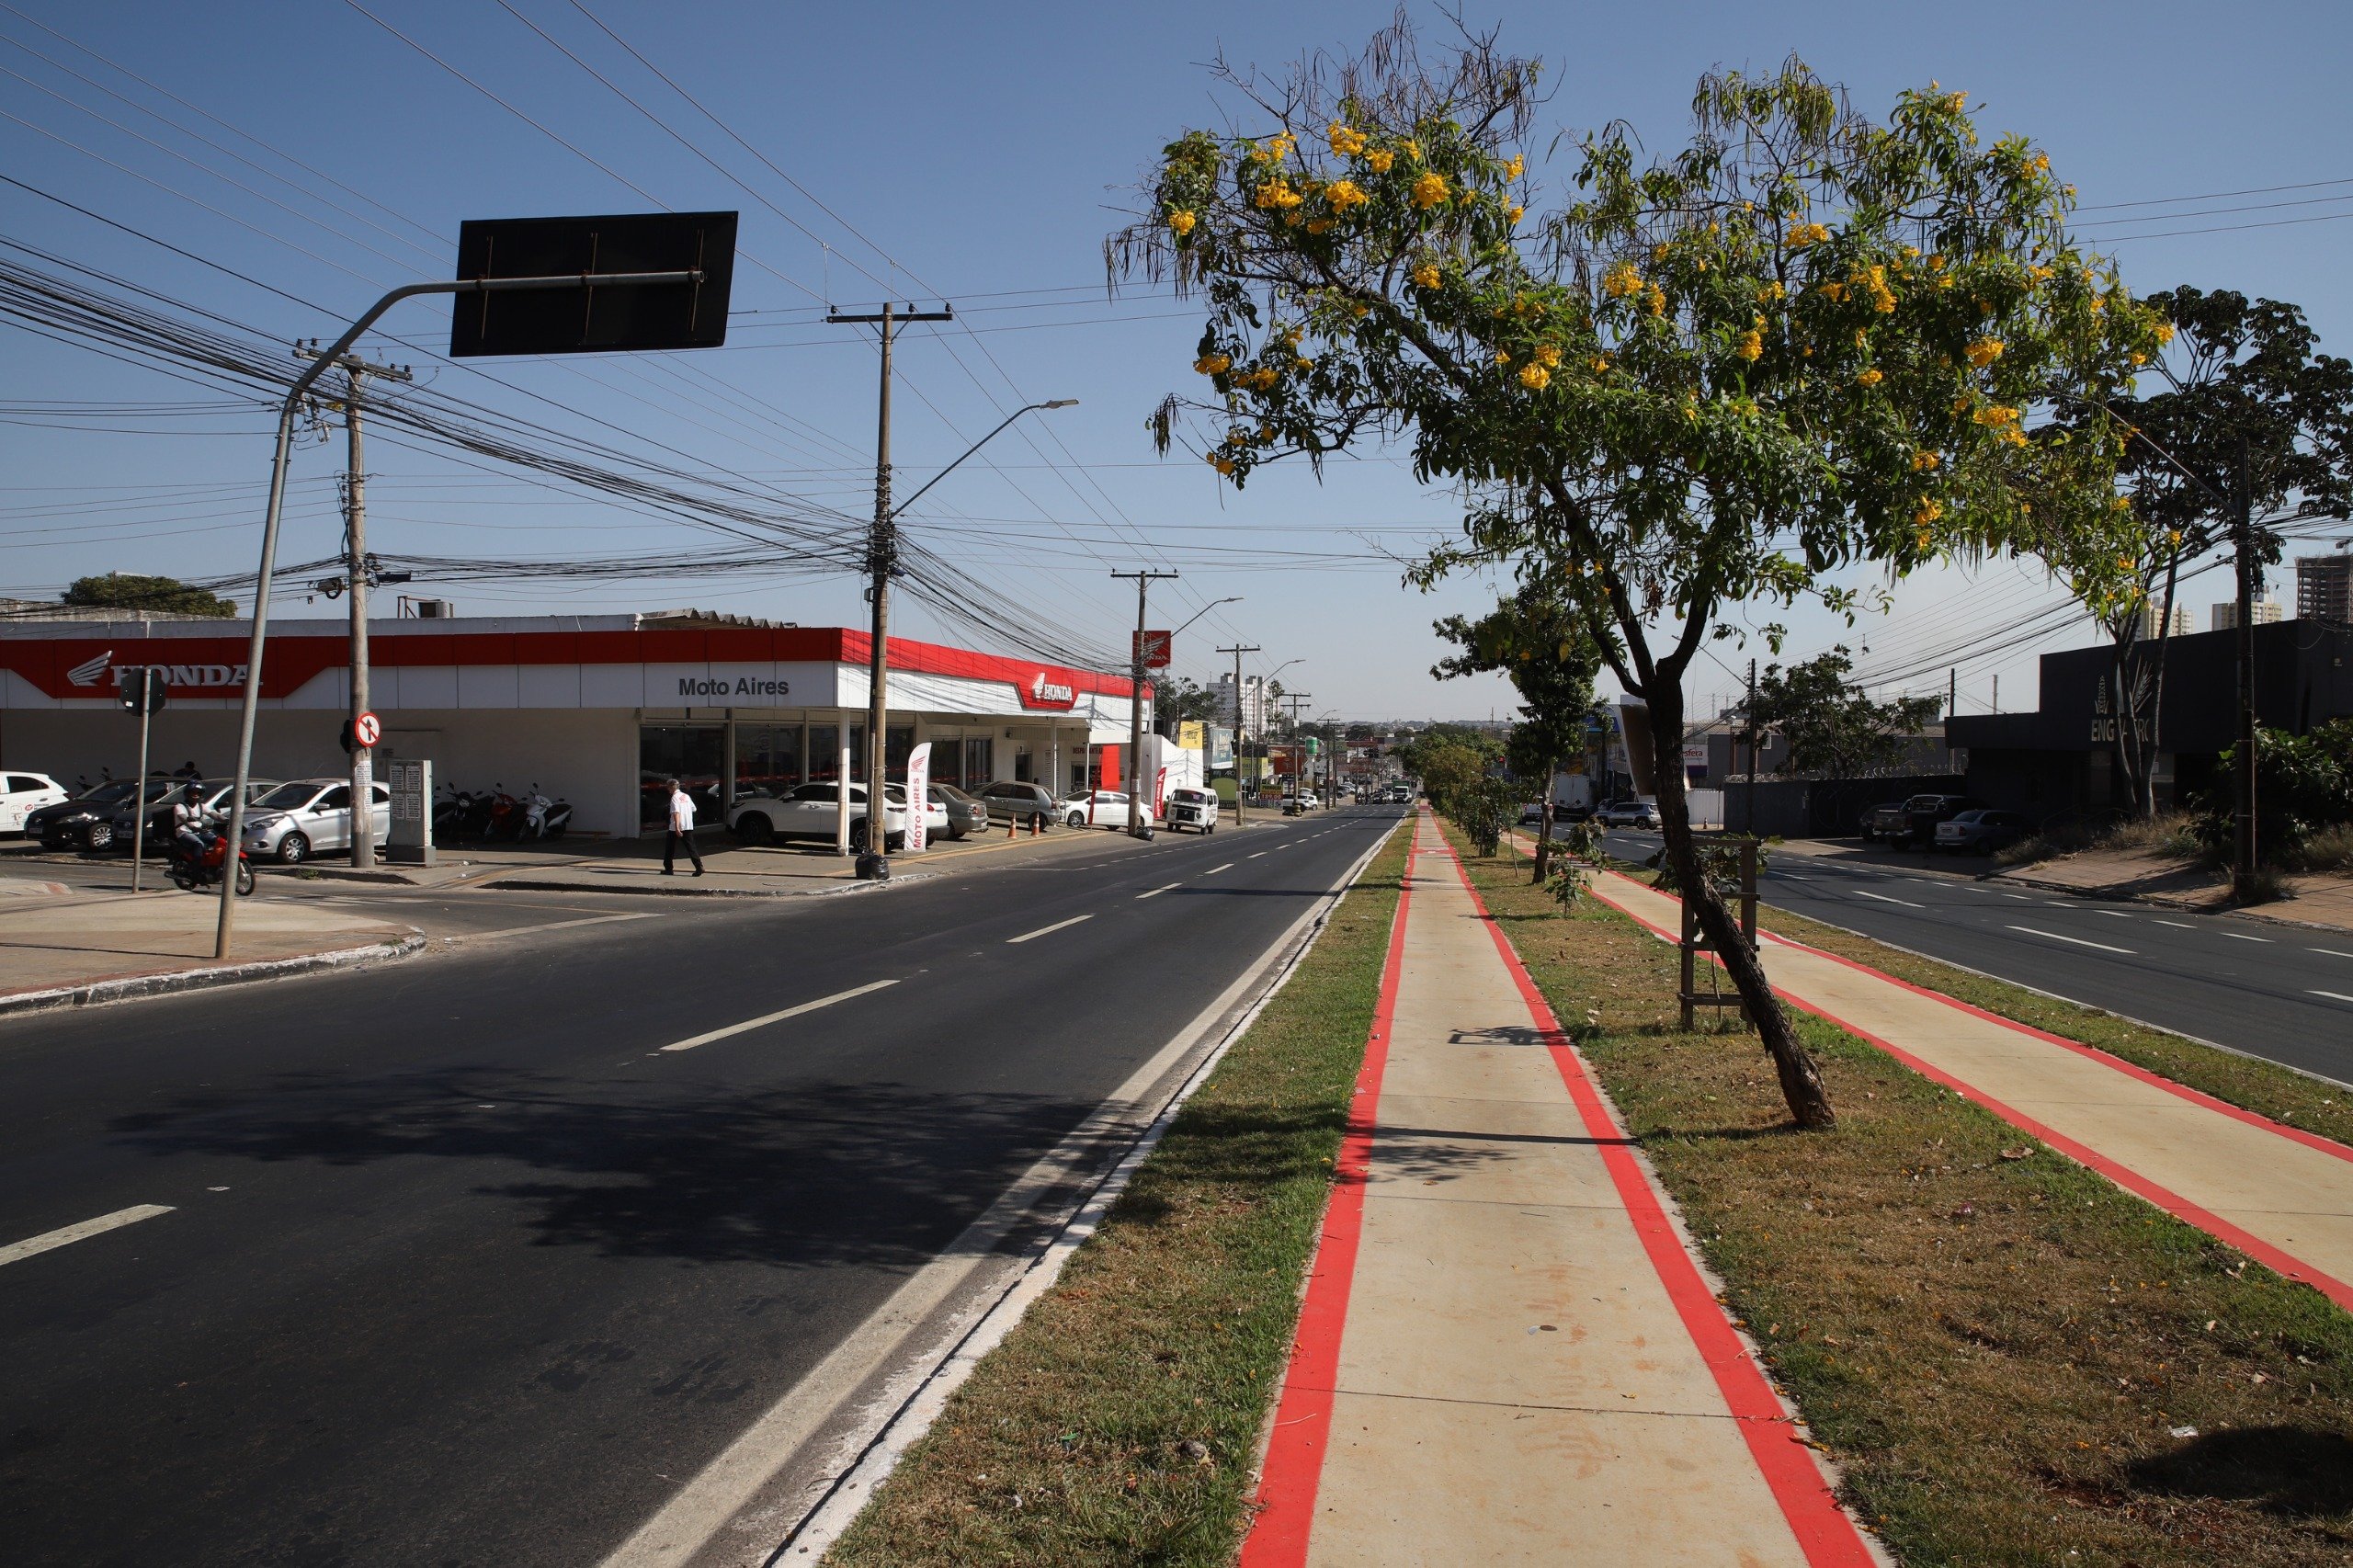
[1138,828]
[1237,651]
[882,560]
[2243,533]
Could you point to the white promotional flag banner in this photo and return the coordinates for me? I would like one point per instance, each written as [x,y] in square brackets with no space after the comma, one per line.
[918,787]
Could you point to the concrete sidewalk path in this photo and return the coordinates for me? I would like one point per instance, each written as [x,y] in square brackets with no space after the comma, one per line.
[2282,1196]
[1507,1353]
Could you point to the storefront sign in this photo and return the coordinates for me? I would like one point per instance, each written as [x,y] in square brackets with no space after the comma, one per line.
[705,688]
[1045,691]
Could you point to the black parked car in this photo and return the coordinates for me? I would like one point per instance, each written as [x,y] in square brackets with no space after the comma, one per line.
[1885,821]
[1923,812]
[73,824]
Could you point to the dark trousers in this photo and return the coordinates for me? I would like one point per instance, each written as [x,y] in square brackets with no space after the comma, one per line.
[670,842]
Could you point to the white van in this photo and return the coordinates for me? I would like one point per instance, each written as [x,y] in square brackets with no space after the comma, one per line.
[1196,809]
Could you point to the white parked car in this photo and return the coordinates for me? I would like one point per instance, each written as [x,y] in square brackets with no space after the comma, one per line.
[1196,809]
[296,821]
[809,812]
[1110,808]
[23,792]
[1627,814]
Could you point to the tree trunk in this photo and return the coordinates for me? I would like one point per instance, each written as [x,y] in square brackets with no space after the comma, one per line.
[1802,1086]
[1544,830]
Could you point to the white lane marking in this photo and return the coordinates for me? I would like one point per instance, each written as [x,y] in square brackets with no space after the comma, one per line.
[1047,930]
[2243,936]
[779,1015]
[2332,952]
[568,925]
[2333,996]
[2079,941]
[1253,854]
[2020,896]
[2177,924]
[17,1251]
[1214,870]
[2112,913]
[1882,898]
[1157,891]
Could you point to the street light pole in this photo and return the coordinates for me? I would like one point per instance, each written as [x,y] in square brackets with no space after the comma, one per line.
[1144,581]
[1237,651]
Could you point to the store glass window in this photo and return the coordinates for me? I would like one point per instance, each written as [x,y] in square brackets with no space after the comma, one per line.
[980,760]
[768,759]
[824,751]
[688,753]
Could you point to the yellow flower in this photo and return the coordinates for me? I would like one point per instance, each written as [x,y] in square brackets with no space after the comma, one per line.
[1956,103]
[1503,355]
[1996,414]
[1654,301]
[2039,163]
[1426,275]
[1220,462]
[1429,191]
[1806,235]
[1834,291]
[1620,280]
[1414,150]
[1514,213]
[1514,169]
[1381,158]
[1923,462]
[1346,140]
[1317,225]
[1658,253]
[2138,358]
[1870,377]
[2011,436]
[1769,292]
[1535,378]
[1874,283]
[1277,193]
[1923,538]
[1345,193]
[2165,331]
[1984,351]
[1263,378]
[1212,364]
[1751,345]
[1548,355]
[1182,221]
[2040,274]
[1928,511]
[1279,147]
[1600,363]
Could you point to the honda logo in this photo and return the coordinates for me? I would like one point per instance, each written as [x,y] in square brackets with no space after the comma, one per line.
[1044,691]
[87,671]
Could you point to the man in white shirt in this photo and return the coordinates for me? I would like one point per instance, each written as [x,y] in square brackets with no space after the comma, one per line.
[681,831]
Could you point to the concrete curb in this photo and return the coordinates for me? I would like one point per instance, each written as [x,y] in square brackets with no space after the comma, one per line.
[131,987]
[836,889]
[2182,905]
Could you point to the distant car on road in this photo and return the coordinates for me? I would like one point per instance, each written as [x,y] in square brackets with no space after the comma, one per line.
[1195,808]
[966,816]
[1629,814]
[21,794]
[1923,812]
[296,821]
[1981,832]
[1531,813]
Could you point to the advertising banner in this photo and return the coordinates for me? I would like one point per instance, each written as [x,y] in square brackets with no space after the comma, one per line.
[918,789]
[1220,745]
[1188,736]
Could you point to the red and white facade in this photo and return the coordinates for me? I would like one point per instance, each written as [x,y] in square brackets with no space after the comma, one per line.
[589,708]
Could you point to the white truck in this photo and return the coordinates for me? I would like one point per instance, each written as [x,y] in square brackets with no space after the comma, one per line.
[1572,797]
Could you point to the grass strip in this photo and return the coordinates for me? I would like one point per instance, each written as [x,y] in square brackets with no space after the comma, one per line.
[2264,1087]
[1996,1346]
[1117,1423]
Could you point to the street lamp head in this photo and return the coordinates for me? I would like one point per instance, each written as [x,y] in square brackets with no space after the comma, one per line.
[1060,403]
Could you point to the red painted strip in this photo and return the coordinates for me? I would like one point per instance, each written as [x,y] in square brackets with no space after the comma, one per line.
[1823,1529]
[2132,1181]
[1302,1429]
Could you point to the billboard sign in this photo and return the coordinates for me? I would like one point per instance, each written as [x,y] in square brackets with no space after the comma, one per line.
[614,318]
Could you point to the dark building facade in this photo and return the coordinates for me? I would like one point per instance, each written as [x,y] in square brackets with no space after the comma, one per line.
[2059,761]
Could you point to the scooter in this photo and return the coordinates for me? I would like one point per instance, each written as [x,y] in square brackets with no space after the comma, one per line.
[506,816]
[543,818]
[197,859]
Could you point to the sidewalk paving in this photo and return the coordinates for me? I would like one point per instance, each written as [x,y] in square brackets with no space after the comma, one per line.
[2282,1196]
[1507,1353]
[2148,877]
[65,950]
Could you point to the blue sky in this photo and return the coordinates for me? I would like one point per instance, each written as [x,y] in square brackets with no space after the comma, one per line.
[980,154]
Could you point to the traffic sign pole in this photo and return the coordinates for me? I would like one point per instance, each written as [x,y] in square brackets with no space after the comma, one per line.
[149,693]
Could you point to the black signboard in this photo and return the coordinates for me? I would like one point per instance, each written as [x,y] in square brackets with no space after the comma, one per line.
[601,320]
[142,690]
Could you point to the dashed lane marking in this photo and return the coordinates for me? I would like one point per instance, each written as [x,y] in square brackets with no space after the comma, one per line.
[2333,996]
[49,1241]
[1882,898]
[779,1015]
[2177,924]
[2332,952]
[2243,936]
[1046,930]
[1157,891]
[2078,941]
[1214,870]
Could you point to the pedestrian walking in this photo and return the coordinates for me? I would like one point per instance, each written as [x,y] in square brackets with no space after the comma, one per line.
[682,831]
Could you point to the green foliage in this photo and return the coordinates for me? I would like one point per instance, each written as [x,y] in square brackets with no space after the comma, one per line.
[1449,759]
[1577,848]
[1833,727]
[167,595]
[1483,810]
[2303,789]
[1719,862]
[1175,699]
[1534,640]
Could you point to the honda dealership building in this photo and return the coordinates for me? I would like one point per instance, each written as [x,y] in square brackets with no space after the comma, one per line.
[597,709]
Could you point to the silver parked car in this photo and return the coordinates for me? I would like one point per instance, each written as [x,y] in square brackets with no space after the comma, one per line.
[1019,801]
[965,815]
[296,821]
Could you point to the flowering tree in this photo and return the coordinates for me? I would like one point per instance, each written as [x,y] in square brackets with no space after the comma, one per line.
[1804,342]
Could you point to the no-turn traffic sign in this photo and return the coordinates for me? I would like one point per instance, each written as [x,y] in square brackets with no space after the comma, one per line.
[368,729]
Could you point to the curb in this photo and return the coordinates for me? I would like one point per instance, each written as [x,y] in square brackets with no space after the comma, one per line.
[131,987]
[2185,906]
[836,889]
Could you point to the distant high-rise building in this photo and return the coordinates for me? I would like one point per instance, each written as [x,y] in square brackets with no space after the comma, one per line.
[1254,704]
[2153,622]
[2324,587]
[2227,615]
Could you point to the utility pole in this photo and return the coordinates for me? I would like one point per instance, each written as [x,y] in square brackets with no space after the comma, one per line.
[1137,784]
[882,560]
[1296,699]
[357,572]
[2243,535]
[1748,721]
[1237,651]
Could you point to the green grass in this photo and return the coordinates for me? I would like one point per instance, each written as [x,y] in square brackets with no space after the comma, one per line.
[1993,1344]
[1117,1423]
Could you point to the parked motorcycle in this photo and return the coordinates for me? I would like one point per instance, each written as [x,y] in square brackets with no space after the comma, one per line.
[543,818]
[505,815]
[197,858]
[463,815]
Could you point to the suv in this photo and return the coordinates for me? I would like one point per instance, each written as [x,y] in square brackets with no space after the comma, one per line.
[1883,821]
[1019,801]
[295,821]
[1923,812]
[1196,809]
[812,811]
[1629,814]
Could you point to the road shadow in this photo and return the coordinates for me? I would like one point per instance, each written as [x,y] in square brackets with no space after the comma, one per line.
[2292,1472]
[809,1178]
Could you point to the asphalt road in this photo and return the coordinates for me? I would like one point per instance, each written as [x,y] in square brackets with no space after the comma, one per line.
[459,1265]
[2273,991]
